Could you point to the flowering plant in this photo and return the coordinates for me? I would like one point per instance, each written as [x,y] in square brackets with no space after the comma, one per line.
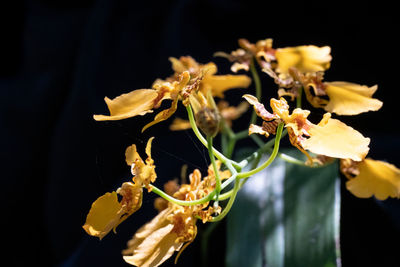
[298,72]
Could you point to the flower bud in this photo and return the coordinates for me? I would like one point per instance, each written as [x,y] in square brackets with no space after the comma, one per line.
[206,113]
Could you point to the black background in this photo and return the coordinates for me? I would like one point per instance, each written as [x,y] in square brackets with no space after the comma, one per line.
[60,58]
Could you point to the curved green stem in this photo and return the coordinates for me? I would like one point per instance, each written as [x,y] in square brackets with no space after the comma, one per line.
[215,168]
[298,99]
[182,202]
[203,200]
[270,159]
[199,136]
[257,84]
[230,202]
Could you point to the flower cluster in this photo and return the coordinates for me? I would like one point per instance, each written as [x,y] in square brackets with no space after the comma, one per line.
[297,71]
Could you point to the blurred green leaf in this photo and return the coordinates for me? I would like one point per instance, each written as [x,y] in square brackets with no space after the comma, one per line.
[286,216]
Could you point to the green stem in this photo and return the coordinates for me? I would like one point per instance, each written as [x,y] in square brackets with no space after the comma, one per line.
[257,84]
[215,168]
[270,159]
[224,143]
[230,202]
[298,99]
[199,136]
[257,140]
[243,181]
[200,201]
[242,134]
[182,202]
[231,147]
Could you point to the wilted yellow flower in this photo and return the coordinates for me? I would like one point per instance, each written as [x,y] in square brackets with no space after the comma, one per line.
[330,137]
[157,240]
[189,77]
[143,171]
[174,91]
[262,51]
[107,212]
[218,84]
[175,225]
[372,178]
[306,58]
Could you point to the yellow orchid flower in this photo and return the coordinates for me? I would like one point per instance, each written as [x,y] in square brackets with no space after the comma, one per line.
[218,84]
[107,212]
[175,225]
[157,240]
[174,93]
[262,51]
[372,178]
[143,171]
[189,77]
[306,58]
[330,137]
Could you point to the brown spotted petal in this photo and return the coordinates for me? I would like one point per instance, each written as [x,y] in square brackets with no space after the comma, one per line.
[375,178]
[137,102]
[258,130]
[259,108]
[335,139]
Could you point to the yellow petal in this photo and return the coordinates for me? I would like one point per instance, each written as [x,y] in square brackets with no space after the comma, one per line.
[157,247]
[179,124]
[335,139]
[138,102]
[107,212]
[220,83]
[163,115]
[131,155]
[103,215]
[376,178]
[148,147]
[259,108]
[350,98]
[258,130]
[308,58]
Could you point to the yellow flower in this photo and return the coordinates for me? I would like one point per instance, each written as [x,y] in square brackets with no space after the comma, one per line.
[330,137]
[262,51]
[107,212]
[218,84]
[157,240]
[143,171]
[189,77]
[174,91]
[306,58]
[373,178]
